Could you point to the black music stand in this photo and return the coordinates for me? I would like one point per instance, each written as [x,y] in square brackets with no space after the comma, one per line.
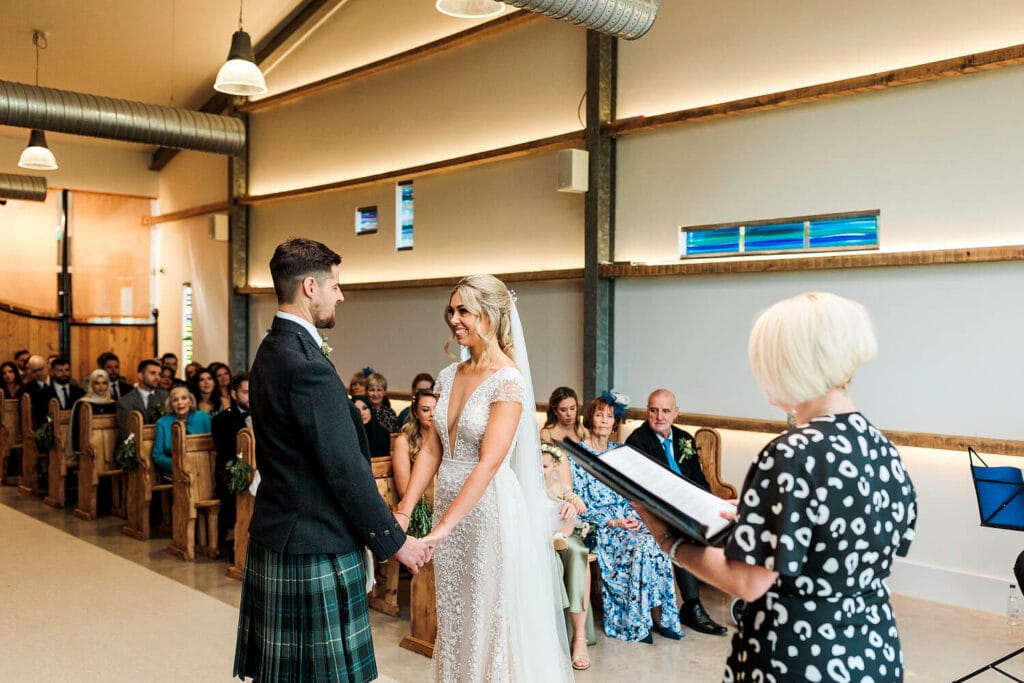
[1000,505]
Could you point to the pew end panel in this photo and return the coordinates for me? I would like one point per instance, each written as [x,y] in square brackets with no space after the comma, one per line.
[10,435]
[709,448]
[195,507]
[245,443]
[57,472]
[98,438]
[30,461]
[384,595]
[144,483]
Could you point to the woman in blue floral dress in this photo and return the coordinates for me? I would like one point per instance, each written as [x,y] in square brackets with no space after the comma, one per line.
[637,588]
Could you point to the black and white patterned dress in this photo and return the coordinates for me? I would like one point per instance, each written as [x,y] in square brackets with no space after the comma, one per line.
[827,506]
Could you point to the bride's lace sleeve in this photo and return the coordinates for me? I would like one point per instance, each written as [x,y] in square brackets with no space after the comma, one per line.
[509,389]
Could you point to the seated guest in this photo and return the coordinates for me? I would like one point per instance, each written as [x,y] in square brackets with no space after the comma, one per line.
[222,377]
[421,382]
[376,391]
[674,449]
[637,589]
[208,397]
[169,360]
[112,364]
[11,384]
[147,398]
[563,418]
[61,387]
[225,428]
[37,385]
[191,369]
[166,378]
[378,437]
[415,432]
[357,385]
[21,357]
[180,407]
[97,395]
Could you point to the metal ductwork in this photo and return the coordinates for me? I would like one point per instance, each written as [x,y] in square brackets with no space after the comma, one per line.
[29,187]
[629,19]
[62,111]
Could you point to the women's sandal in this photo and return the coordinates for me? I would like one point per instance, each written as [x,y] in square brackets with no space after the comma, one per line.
[580,663]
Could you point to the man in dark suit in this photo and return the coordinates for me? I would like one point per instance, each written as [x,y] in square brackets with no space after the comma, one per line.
[147,398]
[60,386]
[37,385]
[674,449]
[112,364]
[224,429]
[303,609]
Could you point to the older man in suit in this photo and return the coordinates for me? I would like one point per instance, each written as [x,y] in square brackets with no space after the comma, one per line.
[674,449]
[147,398]
[303,614]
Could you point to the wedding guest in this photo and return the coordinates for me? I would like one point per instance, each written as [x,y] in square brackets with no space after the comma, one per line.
[112,364]
[181,407]
[147,397]
[207,396]
[225,428]
[357,385]
[421,382]
[97,395]
[21,357]
[170,360]
[415,431]
[824,510]
[376,391]
[222,376]
[674,449]
[191,369]
[637,589]
[564,420]
[376,435]
[11,385]
[166,378]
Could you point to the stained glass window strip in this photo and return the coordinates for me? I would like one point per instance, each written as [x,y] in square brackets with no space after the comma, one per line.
[857,230]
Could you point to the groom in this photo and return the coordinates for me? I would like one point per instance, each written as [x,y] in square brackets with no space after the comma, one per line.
[303,610]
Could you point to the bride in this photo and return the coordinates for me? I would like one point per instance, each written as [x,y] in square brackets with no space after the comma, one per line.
[499,601]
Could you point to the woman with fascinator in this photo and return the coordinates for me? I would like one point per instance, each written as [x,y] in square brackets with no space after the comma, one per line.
[499,596]
[637,586]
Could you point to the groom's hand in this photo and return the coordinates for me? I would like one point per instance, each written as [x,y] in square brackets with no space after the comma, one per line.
[414,553]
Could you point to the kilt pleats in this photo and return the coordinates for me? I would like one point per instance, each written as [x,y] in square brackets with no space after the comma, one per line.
[304,618]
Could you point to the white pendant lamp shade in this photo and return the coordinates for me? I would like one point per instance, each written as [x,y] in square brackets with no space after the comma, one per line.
[240,75]
[37,156]
[470,9]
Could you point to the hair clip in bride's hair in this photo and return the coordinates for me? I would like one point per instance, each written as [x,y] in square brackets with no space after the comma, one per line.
[512,295]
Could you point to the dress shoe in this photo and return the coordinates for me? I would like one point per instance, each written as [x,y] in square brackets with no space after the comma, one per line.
[649,639]
[694,616]
[668,633]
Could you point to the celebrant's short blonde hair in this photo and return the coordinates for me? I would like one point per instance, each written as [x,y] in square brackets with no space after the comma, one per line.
[804,346]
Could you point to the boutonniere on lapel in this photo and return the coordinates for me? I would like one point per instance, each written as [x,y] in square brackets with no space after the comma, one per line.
[685,449]
[325,347]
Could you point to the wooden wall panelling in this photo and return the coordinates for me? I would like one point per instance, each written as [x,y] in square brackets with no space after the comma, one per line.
[21,329]
[131,343]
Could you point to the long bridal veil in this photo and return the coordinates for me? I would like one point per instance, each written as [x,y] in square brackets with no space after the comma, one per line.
[539,647]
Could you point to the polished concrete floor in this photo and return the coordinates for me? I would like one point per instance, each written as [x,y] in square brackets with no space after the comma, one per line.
[940,642]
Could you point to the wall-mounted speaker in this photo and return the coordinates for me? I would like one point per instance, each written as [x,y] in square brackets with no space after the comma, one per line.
[573,170]
[219,227]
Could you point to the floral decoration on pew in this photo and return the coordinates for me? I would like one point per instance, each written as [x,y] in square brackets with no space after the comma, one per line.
[238,474]
[421,519]
[45,438]
[127,454]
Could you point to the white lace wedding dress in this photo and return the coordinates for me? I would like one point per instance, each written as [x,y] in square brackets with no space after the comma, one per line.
[496,614]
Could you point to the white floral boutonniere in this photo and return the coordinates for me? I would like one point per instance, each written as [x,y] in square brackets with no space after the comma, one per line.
[325,347]
[685,449]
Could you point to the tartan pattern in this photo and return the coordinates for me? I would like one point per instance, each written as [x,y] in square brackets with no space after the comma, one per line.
[304,618]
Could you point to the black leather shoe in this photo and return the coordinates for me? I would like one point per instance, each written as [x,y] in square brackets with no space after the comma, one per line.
[649,639]
[666,633]
[694,616]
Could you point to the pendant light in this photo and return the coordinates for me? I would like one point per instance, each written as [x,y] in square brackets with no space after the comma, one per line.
[37,156]
[470,9]
[240,75]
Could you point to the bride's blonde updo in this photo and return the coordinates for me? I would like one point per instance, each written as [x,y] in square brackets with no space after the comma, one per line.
[487,297]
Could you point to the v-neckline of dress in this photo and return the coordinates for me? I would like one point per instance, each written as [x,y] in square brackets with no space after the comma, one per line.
[462,408]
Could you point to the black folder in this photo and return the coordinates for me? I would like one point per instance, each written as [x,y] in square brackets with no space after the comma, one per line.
[629,488]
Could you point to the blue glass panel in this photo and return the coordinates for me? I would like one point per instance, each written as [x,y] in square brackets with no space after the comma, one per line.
[404,229]
[721,241]
[774,237]
[861,231]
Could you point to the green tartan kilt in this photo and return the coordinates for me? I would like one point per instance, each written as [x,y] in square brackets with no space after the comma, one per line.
[304,618]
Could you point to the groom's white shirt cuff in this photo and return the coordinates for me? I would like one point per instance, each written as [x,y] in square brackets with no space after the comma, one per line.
[317,339]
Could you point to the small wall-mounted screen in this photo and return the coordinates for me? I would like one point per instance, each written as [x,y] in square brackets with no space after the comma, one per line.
[366,220]
[403,215]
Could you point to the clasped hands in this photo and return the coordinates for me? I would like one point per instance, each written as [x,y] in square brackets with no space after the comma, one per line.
[416,552]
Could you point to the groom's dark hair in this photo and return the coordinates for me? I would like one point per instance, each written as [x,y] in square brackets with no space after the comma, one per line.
[297,259]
